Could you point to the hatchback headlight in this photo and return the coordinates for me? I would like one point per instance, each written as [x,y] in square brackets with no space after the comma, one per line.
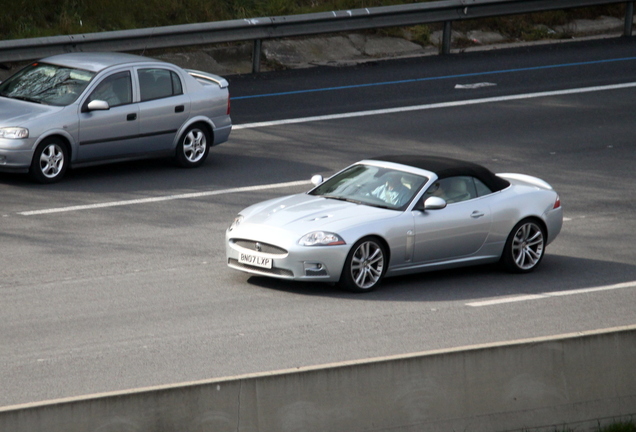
[237,221]
[14,132]
[321,238]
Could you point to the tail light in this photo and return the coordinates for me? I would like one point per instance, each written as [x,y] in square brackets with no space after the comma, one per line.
[557,202]
[228,104]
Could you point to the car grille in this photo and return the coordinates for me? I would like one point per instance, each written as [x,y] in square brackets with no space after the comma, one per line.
[259,247]
[272,271]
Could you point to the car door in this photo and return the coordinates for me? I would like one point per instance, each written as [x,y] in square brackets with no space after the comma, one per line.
[458,230]
[112,132]
[163,107]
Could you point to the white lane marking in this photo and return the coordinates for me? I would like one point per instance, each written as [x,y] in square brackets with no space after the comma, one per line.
[432,106]
[521,298]
[474,86]
[163,198]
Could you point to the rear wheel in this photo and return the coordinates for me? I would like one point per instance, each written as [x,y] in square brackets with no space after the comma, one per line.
[365,266]
[193,147]
[50,160]
[524,247]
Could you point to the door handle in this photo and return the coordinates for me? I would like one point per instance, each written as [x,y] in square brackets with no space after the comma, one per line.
[179,108]
[131,117]
[476,214]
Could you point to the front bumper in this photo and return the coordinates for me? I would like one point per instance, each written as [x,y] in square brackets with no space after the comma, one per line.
[15,155]
[289,260]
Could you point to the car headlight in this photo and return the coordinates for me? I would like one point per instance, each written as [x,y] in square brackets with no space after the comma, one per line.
[237,221]
[14,132]
[321,238]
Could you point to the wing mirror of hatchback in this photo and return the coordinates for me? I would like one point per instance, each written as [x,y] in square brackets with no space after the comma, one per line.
[434,203]
[98,105]
[317,179]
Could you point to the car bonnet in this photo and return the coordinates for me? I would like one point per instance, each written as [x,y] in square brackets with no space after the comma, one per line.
[15,113]
[303,213]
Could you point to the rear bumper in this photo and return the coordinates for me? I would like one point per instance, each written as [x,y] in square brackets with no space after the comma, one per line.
[554,221]
[222,130]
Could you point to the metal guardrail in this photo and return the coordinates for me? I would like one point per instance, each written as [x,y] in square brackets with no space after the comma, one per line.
[257,29]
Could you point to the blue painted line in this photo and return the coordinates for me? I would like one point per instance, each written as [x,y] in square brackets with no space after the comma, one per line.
[504,71]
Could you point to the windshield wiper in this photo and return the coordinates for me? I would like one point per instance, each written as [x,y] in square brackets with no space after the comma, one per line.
[339,198]
[26,98]
[381,206]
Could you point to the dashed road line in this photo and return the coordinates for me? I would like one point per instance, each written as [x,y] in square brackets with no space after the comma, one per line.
[163,198]
[529,297]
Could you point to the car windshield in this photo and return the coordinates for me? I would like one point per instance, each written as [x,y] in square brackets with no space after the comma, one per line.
[372,185]
[46,84]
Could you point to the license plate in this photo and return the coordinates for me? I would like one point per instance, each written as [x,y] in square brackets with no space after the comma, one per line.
[255,260]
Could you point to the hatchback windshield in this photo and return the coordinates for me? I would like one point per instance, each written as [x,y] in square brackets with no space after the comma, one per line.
[46,84]
[372,185]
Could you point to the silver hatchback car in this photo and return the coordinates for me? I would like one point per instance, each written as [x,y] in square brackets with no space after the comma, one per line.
[81,109]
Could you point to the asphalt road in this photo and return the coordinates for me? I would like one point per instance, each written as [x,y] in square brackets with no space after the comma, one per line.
[115,278]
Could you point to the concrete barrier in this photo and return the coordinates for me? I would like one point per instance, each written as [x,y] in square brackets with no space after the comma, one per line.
[580,380]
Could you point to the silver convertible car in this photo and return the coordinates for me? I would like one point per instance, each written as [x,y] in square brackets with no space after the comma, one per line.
[78,109]
[396,215]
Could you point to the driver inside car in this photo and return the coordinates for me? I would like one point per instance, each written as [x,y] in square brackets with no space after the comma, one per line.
[392,191]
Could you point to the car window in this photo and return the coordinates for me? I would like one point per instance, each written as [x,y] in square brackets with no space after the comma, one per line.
[115,89]
[482,189]
[454,189]
[177,88]
[158,83]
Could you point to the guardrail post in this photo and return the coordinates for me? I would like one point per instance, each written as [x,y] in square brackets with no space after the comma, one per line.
[256,56]
[629,18]
[446,37]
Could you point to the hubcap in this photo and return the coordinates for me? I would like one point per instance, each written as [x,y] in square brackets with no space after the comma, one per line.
[51,161]
[527,246]
[367,264]
[194,145]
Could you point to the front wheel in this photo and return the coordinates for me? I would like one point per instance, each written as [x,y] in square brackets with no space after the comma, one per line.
[524,247]
[193,147]
[365,266]
[49,161]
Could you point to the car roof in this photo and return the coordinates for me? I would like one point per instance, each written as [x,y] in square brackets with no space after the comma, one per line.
[96,61]
[445,167]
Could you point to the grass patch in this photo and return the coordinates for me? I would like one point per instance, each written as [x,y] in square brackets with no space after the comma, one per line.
[628,426]
[623,426]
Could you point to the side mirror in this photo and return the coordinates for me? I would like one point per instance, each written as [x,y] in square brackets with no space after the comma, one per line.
[98,105]
[434,203]
[317,179]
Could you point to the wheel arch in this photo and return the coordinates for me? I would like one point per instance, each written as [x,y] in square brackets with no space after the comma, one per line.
[378,237]
[64,138]
[508,258]
[537,219]
[367,278]
[196,121]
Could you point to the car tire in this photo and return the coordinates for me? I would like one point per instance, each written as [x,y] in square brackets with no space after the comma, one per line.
[524,247]
[193,147]
[50,161]
[365,266]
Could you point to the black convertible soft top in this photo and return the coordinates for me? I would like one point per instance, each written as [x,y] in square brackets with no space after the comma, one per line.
[448,167]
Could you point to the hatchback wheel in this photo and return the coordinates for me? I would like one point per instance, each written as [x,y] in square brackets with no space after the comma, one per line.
[49,161]
[193,147]
[525,247]
[365,266]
